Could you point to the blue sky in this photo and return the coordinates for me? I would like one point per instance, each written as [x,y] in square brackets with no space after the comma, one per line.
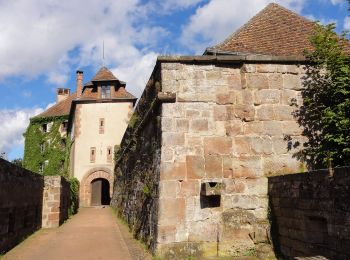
[43,43]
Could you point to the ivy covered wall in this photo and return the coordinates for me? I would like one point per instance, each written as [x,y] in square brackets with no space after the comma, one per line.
[50,149]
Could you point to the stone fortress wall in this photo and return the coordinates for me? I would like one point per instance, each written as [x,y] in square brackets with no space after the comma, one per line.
[222,135]
[227,129]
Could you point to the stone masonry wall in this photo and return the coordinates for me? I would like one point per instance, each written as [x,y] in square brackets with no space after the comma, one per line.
[21,197]
[222,138]
[135,194]
[310,214]
[56,201]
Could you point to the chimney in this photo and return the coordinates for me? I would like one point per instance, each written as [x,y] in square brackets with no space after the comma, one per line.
[62,94]
[79,83]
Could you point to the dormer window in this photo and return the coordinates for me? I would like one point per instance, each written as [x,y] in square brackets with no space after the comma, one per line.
[105,92]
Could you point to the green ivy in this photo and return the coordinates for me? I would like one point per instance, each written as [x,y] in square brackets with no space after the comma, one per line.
[55,152]
[74,196]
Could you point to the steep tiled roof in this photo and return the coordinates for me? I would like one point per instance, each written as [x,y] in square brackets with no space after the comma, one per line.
[274,31]
[91,93]
[60,109]
[104,74]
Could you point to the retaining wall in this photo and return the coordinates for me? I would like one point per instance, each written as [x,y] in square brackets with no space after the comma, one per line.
[310,214]
[29,201]
[21,198]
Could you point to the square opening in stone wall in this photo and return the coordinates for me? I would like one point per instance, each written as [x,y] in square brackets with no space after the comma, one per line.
[212,201]
[316,230]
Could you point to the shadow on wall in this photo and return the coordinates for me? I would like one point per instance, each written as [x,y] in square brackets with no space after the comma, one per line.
[310,214]
[21,197]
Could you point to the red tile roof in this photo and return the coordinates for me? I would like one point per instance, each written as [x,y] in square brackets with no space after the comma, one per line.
[60,109]
[273,31]
[104,74]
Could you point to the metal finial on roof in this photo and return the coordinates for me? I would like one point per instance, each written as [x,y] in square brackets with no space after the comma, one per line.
[103,53]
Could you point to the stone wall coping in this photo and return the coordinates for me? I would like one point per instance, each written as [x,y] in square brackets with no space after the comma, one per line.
[233,58]
[339,172]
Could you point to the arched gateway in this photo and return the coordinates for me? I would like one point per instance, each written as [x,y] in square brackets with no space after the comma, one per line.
[96,187]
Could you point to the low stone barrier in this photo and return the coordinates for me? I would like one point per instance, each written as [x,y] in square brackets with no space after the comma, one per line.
[21,198]
[310,214]
[29,201]
[55,201]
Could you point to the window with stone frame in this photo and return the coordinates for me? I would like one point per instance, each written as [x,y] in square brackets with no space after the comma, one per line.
[41,168]
[92,154]
[105,91]
[109,154]
[42,147]
[101,126]
[64,126]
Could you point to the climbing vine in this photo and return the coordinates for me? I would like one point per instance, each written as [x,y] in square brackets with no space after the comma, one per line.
[49,149]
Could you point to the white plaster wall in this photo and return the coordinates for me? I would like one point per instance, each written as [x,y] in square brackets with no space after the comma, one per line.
[116,116]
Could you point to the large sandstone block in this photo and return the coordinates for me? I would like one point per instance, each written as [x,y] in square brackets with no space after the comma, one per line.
[265,112]
[275,81]
[291,81]
[199,125]
[171,211]
[257,81]
[195,167]
[213,166]
[267,96]
[217,145]
[173,139]
[173,171]
[247,166]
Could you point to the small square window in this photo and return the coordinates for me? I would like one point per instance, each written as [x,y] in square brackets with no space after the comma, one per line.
[105,92]
[42,147]
[92,154]
[101,128]
[109,154]
[44,128]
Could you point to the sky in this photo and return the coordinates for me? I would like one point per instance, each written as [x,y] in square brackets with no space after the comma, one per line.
[44,42]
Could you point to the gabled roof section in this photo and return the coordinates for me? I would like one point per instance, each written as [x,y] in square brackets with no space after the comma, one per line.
[60,109]
[104,74]
[273,31]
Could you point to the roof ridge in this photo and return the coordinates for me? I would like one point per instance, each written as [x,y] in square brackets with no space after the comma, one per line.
[252,20]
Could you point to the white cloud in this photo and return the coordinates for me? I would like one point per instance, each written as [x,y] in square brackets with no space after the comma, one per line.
[137,73]
[54,37]
[347,23]
[13,124]
[217,19]
[337,2]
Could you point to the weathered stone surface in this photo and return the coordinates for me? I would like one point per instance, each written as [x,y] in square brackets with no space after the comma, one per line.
[171,211]
[272,128]
[304,213]
[173,139]
[195,167]
[217,145]
[284,113]
[213,166]
[182,125]
[199,125]
[265,113]
[275,81]
[173,171]
[292,82]
[267,96]
[243,112]
[257,81]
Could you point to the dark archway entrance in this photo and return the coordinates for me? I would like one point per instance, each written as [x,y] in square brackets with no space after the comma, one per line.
[100,192]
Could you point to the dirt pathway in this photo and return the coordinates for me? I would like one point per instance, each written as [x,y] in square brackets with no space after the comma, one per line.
[92,234]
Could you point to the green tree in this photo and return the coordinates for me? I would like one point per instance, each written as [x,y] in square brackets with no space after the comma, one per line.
[18,162]
[325,113]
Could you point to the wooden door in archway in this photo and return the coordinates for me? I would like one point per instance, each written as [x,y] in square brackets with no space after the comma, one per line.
[100,192]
